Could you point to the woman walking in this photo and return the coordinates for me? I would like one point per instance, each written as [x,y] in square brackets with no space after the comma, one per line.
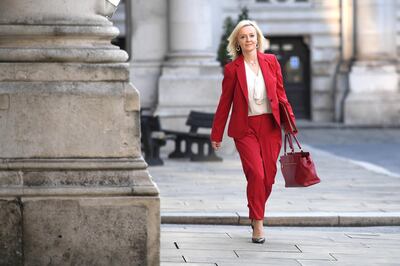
[253,86]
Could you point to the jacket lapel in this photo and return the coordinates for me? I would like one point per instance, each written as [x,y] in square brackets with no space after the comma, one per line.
[241,74]
[266,70]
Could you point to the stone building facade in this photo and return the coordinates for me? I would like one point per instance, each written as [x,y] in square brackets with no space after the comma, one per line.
[340,58]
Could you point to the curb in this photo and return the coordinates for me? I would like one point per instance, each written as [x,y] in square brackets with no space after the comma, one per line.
[306,124]
[287,218]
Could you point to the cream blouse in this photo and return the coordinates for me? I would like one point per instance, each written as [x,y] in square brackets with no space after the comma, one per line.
[258,103]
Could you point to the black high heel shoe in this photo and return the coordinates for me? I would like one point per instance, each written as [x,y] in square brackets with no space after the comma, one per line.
[256,240]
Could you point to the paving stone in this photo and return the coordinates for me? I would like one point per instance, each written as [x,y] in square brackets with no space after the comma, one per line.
[323,263]
[284,255]
[170,255]
[375,259]
[348,249]
[265,262]
[189,235]
[186,264]
[166,244]
[208,256]
[242,245]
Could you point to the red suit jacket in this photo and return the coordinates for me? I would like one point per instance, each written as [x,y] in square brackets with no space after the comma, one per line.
[235,94]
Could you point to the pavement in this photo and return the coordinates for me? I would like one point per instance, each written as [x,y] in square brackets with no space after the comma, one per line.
[351,192]
[206,245]
[204,209]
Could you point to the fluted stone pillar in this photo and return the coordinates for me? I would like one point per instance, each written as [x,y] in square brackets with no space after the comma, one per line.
[374,88]
[148,43]
[74,189]
[191,76]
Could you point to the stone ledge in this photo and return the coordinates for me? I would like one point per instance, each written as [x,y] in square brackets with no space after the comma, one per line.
[287,218]
[150,190]
[46,164]
[199,218]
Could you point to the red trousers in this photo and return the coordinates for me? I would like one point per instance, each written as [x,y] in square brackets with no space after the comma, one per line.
[259,151]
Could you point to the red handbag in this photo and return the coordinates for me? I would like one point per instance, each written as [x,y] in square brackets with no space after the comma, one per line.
[297,168]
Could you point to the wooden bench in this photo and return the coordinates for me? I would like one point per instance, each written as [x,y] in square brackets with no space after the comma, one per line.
[204,152]
[152,139]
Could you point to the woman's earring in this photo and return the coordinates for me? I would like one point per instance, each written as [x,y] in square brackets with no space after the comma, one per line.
[238,48]
[257,46]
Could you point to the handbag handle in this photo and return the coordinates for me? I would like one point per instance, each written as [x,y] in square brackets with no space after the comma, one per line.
[288,138]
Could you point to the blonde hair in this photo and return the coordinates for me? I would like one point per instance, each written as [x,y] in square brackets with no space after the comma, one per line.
[233,38]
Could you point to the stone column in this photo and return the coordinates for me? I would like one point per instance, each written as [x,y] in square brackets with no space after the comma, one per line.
[347,55]
[191,76]
[374,95]
[74,189]
[148,42]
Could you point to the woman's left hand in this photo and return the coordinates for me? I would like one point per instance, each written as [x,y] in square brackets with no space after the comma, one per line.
[216,145]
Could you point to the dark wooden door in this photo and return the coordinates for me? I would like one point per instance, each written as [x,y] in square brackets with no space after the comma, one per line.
[294,58]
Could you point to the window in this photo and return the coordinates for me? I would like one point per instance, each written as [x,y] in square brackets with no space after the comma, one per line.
[294,70]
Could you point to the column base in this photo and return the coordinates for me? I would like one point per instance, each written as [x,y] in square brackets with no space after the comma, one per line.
[373,76]
[372,109]
[72,231]
[374,96]
[63,211]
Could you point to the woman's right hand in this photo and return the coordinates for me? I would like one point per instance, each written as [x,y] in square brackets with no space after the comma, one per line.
[216,145]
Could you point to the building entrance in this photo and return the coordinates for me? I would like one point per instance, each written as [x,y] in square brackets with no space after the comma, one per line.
[294,58]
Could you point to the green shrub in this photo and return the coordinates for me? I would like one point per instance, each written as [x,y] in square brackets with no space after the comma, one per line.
[229,25]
